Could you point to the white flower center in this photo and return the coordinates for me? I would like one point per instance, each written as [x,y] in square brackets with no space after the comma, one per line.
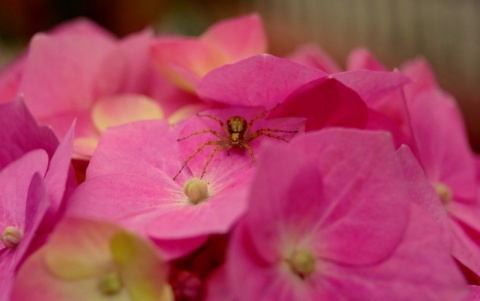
[196,190]
[302,262]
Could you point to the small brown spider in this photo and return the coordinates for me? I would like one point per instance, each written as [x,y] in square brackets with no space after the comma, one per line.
[236,134]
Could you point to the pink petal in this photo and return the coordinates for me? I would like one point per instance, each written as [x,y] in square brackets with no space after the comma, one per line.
[82,26]
[125,108]
[262,80]
[30,212]
[184,61]
[324,102]
[442,144]
[361,58]
[474,293]
[421,73]
[364,187]
[237,38]
[131,148]
[18,175]
[21,134]
[59,178]
[53,62]
[313,56]
[408,274]
[372,86]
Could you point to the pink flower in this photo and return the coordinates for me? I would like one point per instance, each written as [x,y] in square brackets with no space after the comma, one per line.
[86,260]
[185,61]
[331,218]
[432,120]
[23,203]
[35,175]
[85,74]
[130,180]
[313,56]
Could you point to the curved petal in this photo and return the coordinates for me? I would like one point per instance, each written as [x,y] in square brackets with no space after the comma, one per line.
[262,80]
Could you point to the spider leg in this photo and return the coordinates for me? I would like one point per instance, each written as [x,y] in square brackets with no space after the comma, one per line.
[220,121]
[265,132]
[250,151]
[214,151]
[196,152]
[202,132]
[262,114]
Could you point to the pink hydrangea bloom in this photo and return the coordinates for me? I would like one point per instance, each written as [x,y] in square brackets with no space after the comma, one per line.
[186,60]
[36,177]
[112,83]
[93,260]
[130,180]
[331,218]
[433,122]
[23,203]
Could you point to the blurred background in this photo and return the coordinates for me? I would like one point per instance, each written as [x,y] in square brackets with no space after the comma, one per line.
[446,32]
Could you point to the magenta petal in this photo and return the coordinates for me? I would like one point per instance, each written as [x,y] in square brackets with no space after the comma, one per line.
[216,215]
[237,38]
[36,205]
[420,269]
[372,86]
[442,144]
[474,293]
[325,102]
[53,62]
[132,147]
[20,133]
[16,178]
[59,177]
[421,73]
[361,58]
[365,187]
[423,194]
[284,206]
[313,56]
[262,80]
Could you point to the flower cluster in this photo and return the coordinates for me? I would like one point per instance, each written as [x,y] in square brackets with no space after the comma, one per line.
[180,168]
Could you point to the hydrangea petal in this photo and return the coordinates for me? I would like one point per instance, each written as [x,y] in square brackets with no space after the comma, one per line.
[142,270]
[55,59]
[372,86]
[408,274]
[238,38]
[324,102]
[20,133]
[361,58]
[116,110]
[261,80]
[313,56]
[355,166]
[444,151]
[79,248]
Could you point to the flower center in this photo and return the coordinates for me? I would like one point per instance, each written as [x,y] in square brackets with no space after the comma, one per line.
[444,192]
[111,284]
[302,262]
[11,237]
[196,190]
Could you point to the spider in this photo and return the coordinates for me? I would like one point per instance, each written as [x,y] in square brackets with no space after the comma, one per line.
[236,134]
